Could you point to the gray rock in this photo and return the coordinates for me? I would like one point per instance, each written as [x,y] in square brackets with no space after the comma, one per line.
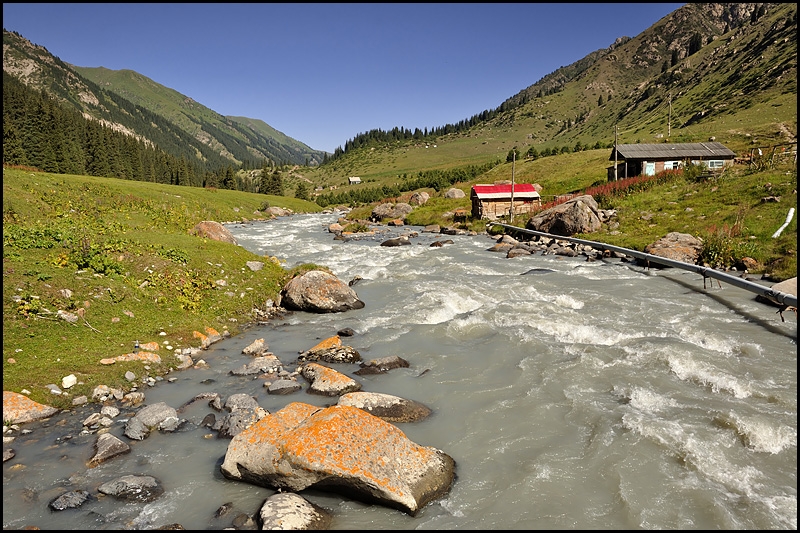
[576,215]
[240,401]
[237,421]
[256,347]
[291,511]
[317,291]
[70,500]
[283,386]
[156,416]
[396,241]
[381,365]
[133,488]
[676,246]
[386,407]
[107,446]
[259,365]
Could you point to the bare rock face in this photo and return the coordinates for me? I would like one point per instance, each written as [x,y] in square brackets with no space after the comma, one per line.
[317,291]
[577,215]
[339,448]
[213,230]
[677,246]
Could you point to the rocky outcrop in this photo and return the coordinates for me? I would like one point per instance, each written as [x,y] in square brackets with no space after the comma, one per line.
[214,231]
[676,246]
[340,449]
[317,291]
[577,215]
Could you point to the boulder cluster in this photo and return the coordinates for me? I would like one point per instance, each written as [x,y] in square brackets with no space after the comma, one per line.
[352,447]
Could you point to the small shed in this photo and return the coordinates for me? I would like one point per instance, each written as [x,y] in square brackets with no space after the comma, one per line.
[354,180]
[650,159]
[494,201]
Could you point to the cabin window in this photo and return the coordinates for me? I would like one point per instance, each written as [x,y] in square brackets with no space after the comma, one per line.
[714,164]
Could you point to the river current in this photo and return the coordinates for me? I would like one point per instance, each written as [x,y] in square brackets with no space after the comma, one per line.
[571,395]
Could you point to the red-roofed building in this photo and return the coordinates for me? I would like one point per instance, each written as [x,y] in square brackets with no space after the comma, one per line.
[494,201]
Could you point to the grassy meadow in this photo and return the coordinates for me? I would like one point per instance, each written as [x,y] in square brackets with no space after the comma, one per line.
[124,251]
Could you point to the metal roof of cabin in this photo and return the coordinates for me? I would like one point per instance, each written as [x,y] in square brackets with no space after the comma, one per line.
[672,151]
[521,190]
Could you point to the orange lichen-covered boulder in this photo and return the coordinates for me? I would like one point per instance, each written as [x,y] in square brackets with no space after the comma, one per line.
[318,291]
[327,381]
[339,448]
[331,350]
[18,408]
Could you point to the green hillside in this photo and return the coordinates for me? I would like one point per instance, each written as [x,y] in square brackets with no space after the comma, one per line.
[255,141]
[689,77]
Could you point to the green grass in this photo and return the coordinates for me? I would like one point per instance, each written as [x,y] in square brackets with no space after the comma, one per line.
[124,250]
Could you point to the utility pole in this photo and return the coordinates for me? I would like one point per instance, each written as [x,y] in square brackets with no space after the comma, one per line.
[669,121]
[615,152]
[513,164]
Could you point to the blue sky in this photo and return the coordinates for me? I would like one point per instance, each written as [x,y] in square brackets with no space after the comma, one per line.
[323,73]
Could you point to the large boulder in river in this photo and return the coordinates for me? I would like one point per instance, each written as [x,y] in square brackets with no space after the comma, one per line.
[676,246]
[317,291]
[576,215]
[213,230]
[341,449]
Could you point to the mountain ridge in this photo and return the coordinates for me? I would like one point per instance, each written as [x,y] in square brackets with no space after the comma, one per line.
[209,136]
[689,76]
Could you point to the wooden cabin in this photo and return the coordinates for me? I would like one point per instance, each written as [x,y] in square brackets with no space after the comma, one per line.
[494,201]
[650,159]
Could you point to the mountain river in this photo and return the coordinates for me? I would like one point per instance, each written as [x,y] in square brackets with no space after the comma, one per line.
[571,395]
